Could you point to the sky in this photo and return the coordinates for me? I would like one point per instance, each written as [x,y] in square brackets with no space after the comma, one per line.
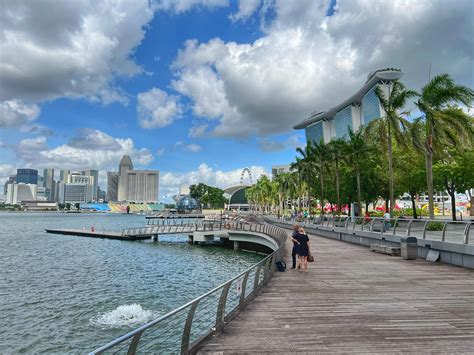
[200,89]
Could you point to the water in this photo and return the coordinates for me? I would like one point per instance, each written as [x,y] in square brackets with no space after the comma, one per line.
[68,294]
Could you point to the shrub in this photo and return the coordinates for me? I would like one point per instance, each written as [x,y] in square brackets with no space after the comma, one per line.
[434,226]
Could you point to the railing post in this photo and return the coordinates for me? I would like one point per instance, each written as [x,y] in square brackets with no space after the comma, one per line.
[257,277]
[424,228]
[242,293]
[132,349]
[395,226]
[409,227]
[221,307]
[187,329]
[372,225]
[444,231]
[466,233]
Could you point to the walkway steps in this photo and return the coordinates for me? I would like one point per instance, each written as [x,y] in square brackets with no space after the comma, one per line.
[98,234]
[355,301]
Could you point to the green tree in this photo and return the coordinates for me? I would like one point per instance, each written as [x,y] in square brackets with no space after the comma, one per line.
[209,196]
[442,122]
[336,154]
[392,125]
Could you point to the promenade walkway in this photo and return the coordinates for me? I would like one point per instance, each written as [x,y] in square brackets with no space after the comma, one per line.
[356,301]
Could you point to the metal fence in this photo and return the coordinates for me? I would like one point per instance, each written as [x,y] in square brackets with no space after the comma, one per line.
[183,329]
[176,228]
[431,229]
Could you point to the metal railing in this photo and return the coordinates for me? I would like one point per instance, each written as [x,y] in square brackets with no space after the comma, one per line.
[430,229]
[183,329]
[176,228]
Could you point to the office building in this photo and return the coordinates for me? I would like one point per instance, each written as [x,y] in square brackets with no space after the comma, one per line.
[64,175]
[27,176]
[49,183]
[94,174]
[112,186]
[140,186]
[11,180]
[360,109]
[18,192]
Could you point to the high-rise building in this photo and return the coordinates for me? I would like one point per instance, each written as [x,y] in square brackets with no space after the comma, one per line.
[125,164]
[48,183]
[11,180]
[27,176]
[112,186]
[280,169]
[16,193]
[139,186]
[95,182]
[64,175]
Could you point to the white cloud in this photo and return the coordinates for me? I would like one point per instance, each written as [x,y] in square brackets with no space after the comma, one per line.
[36,129]
[170,182]
[16,112]
[180,6]
[193,148]
[89,149]
[157,109]
[292,142]
[307,61]
[197,131]
[246,9]
[71,49]
[160,152]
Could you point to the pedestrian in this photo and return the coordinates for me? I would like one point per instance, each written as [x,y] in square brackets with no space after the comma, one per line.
[294,251]
[386,221]
[303,249]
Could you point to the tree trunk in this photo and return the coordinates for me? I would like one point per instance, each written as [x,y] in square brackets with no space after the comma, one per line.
[429,181]
[321,179]
[337,189]
[413,206]
[390,169]
[451,188]
[359,206]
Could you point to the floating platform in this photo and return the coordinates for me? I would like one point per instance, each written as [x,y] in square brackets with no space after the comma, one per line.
[98,234]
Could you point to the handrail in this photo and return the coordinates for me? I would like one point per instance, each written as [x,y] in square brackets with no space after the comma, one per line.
[438,229]
[192,307]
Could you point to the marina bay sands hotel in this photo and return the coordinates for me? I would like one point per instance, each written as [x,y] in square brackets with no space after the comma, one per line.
[359,109]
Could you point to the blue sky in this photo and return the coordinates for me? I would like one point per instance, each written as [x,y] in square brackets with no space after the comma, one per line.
[201,89]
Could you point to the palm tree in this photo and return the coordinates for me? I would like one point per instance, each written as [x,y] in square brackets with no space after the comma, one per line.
[305,166]
[356,148]
[336,149]
[320,154]
[441,120]
[392,125]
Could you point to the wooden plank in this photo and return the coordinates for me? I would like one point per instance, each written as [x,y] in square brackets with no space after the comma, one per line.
[356,301]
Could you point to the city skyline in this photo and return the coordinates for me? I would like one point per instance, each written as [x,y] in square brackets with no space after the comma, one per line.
[181,86]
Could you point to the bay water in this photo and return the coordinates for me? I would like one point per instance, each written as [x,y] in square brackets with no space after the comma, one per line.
[69,294]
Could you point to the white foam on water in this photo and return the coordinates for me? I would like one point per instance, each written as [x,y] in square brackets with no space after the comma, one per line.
[124,316]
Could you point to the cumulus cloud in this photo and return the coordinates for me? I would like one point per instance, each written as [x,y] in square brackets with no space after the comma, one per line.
[157,109]
[89,149]
[54,49]
[246,9]
[170,182]
[197,131]
[193,148]
[308,61]
[37,129]
[292,142]
[16,112]
[180,6]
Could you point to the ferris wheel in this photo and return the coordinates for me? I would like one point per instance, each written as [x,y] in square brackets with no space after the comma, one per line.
[249,173]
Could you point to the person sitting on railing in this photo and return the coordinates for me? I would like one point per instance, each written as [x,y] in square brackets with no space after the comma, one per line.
[366,217]
[386,222]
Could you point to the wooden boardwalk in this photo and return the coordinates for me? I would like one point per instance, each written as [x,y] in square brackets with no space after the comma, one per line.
[97,234]
[356,301]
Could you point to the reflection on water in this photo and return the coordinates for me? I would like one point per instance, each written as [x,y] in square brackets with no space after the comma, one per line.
[72,294]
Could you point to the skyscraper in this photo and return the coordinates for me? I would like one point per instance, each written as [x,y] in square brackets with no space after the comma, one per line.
[27,176]
[48,183]
[125,164]
[112,186]
[136,185]
[64,175]
[95,182]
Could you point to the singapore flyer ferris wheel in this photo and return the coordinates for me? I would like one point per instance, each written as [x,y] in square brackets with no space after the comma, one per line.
[249,173]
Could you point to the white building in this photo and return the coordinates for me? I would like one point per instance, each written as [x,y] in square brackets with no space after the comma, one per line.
[280,169]
[139,186]
[16,193]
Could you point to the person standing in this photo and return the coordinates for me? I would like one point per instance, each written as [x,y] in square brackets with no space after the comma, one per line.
[294,251]
[386,221]
[303,249]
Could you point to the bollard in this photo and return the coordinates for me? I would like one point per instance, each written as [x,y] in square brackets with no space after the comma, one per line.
[409,248]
